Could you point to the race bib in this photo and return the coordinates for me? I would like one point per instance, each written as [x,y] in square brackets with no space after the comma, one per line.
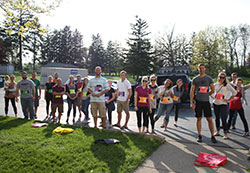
[152,96]
[79,89]
[106,98]
[50,90]
[84,94]
[236,98]
[176,98]
[122,93]
[58,96]
[98,88]
[72,91]
[165,100]
[25,91]
[203,89]
[143,99]
[219,96]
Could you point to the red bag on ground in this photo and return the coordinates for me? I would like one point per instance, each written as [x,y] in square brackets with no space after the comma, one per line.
[209,159]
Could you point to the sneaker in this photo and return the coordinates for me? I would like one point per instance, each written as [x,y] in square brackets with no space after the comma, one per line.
[213,139]
[233,128]
[199,139]
[162,126]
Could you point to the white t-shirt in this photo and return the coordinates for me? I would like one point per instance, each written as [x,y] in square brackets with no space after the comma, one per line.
[223,92]
[123,88]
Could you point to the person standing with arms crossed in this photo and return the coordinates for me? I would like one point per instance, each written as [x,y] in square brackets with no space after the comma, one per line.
[57,101]
[27,88]
[199,100]
[97,87]
[123,93]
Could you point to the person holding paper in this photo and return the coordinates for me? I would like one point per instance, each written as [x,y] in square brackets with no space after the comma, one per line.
[166,102]
[143,104]
[72,93]
[48,88]
[178,91]
[85,99]
[222,89]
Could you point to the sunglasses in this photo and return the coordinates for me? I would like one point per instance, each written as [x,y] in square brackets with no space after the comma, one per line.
[222,77]
[152,79]
[145,81]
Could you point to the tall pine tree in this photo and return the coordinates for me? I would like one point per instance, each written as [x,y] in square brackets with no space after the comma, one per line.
[139,59]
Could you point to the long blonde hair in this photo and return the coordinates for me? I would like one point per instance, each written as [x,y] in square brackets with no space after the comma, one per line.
[142,79]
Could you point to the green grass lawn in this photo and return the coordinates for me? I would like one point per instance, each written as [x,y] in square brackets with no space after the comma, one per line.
[27,149]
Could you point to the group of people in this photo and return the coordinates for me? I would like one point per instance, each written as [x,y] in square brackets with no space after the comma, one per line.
[98,93]
[227,99]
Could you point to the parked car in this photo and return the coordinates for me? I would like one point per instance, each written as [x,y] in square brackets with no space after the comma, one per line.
[174,77]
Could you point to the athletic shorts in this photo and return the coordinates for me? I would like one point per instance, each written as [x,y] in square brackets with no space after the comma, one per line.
[58,106]
[202,107]
[98,107]
[122,105]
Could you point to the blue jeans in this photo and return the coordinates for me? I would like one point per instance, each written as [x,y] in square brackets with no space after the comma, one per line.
[27,103]
[162,108]
[234,118]
[85,108]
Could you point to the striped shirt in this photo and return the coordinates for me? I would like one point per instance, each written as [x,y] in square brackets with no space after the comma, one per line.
[98,85]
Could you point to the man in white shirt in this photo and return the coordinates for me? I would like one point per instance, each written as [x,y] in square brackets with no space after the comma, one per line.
[123,93]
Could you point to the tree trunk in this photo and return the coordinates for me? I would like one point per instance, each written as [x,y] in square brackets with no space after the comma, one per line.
[20,53]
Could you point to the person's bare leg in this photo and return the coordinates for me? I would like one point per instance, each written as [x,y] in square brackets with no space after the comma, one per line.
[198,125]
[139,129]
[127,118]
[119,119]
[95,121]
[59,117]
[54,116]
[104,122]
[165,125]
[143,129]
[210,125]
[79,108]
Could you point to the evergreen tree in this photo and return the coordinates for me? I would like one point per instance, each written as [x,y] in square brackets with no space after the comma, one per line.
[96,55]
[139,59]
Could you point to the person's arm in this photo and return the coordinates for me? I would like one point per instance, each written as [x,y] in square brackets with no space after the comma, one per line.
[112,99]
[149,101]
[40,92]
[77,92]
[17,92]
[13,89]
[233,91]
[246,87]
[117,93]
[91,92]
[33,92]
[211,89]
[135,100]
[192,105]
[103,92]
[129,94]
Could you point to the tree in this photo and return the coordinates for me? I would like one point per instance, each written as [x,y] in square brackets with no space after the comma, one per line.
[209,49]
[113,55]
[244,32]
[63,46]
[22,15]
[139,59]
[173,50]
[96,54]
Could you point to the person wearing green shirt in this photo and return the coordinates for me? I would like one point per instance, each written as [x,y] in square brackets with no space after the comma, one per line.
[37,96]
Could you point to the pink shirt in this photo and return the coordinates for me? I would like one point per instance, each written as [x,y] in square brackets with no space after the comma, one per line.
[142,97]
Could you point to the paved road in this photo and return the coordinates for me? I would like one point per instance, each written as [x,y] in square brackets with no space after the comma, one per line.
[182,138]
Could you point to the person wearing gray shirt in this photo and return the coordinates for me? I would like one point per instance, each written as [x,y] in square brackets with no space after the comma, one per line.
[202,88]
[27,88]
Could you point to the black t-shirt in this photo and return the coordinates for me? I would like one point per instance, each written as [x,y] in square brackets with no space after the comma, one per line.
[108,95]
[49,91]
